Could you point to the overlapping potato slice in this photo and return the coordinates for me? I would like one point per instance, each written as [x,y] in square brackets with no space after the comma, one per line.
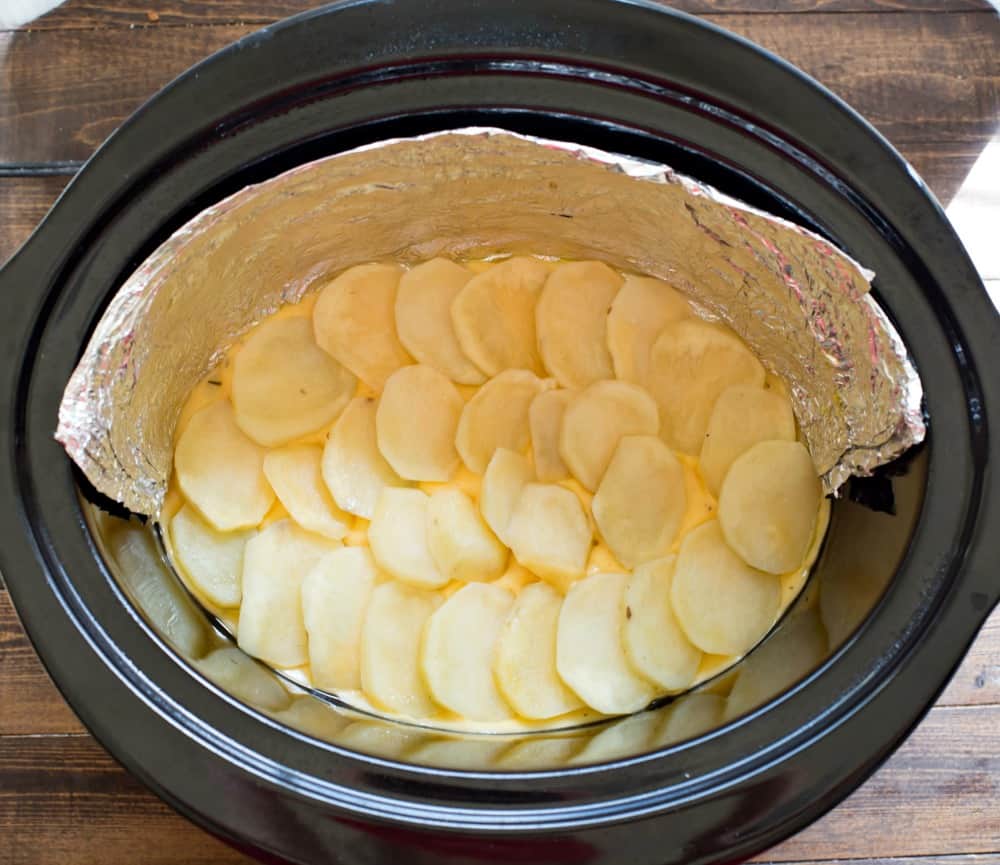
[589,653]
[723,605]
[423,318]
[221,471]
[284,385]
[212,560]
[354,470]
[594,422]
[355,322]
[505,477]
[570,320]
[690,716]
[244,678]
[545,421]
[416,421]
[335,596]
[768,505]
[460,542]
[743,416]
[539,752]
[641,500]
[494,316]
[497,417]
[457,651]
[474,754]
[295,474]
[525,660]
[622,738]
[398,538]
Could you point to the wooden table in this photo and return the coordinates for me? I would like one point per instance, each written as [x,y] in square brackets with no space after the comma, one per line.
[926,72]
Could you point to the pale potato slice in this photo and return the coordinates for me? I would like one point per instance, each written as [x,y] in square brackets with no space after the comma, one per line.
[505,477]
[545,422]
[284,385]
[497,417]
[494,316]
[460,542]
[691,363]
[744,415]
[355,322]
[354,470]
[465,752]
[641,501]
[390,649]
[380,738]
[723,605]
[525,660]
[690,716]
[295,473]
[314,717]
[624,738]
[457,652]
[221,471]
[416,422]
[654,643]
[589,652]
[275,562]
[398,538]
[335,596]
[768,505]
[570,320]
[244,678]
[549,533]
[596,420]
[641,309]
[212,560]
[423,318]
[540,752]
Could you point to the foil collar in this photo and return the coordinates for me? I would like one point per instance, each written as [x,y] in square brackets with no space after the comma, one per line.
[801,304]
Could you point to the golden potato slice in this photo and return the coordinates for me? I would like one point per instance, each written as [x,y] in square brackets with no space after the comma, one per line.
[497,417]
[212,560]
[505,477]
[549,533]
[284,385]
[691,363]
[744,415]
[355,322]
[221,471]
[416,422]
[354,470]
[571,318]
[723,605]
[768,505]
[641,501]
[423,318]
[494,316]
[641,309]
[594,422]
[457,652]
[525,660]
[398,538]
[275,562]
[545,422]
[244,678]
[295,473]
[335,596]
[590,656]
[381,738]
[461,544]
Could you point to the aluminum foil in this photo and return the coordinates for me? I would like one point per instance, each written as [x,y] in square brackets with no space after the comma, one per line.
[801,304]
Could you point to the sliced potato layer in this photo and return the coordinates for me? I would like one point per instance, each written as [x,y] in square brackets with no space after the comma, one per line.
[460,542]
[295,474]
[505,477]
[398,538]
[545,420]
[641,309]
[212,560]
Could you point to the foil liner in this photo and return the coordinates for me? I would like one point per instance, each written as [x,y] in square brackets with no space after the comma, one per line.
[802,305]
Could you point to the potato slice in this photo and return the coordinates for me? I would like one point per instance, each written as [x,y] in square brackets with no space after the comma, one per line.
[494,316]
[284,385]
[274,564]
[641,309]
[641,501]
[690,716]
[457,652]
[723,605]
[625,737]
[423,318]
[461,544]
[295,473]
[691,363]
[497,417]
[525,660]
[462,752]
[390,649]
[335,596]
[549,533]
[212,560]
[744,415]
[381,738]
[571,318]
[221,471]
[505,477]
[596,420]
[540,752]
[590,656]
[354,470]
[398,538]
[355,322]
[768,505]
[244,678]
[545,422]
[416,422]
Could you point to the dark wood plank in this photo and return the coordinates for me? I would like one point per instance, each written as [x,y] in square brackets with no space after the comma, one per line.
[962,859]
[977,681]
[23,202]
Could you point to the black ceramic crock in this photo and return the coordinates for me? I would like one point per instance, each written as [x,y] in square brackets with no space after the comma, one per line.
[627,77]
